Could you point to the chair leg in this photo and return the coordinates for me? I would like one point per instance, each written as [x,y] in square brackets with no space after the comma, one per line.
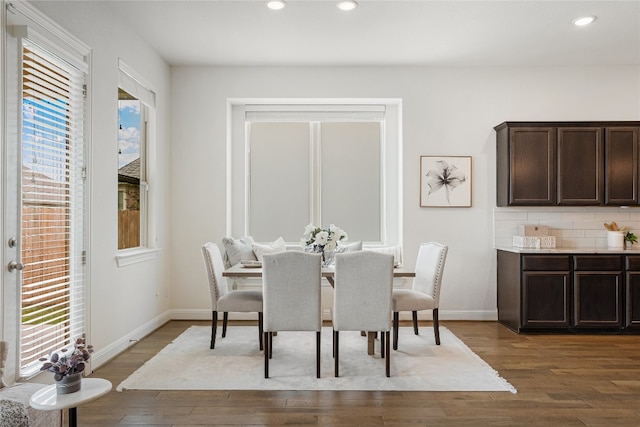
[317,354]
[260,329]
[214,328]
[388,351]
[382,334]
[336,349]
[266,355]
[395,330]
[415,322]
[436,326]
[225,316]
[270,345]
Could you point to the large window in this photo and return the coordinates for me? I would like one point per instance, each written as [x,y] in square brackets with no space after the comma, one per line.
[320,163]
[135,101]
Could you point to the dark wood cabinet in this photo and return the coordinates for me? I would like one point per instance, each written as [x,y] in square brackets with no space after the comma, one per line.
[567,163]
[621,166]
[568,292]
[597,291]
[632,292]
[580,166]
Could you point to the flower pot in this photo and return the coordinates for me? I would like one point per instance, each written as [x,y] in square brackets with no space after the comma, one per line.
[615,239]
[628,245]
[69,384]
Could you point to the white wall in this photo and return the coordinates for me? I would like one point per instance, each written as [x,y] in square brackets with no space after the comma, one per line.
[127,302]
[446,112]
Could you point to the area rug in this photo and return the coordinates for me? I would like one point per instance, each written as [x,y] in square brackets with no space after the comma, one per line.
[236,363]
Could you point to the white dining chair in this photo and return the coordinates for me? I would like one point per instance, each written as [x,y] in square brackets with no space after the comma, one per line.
[292,299]
[362,298]
[425,289]
[225,300]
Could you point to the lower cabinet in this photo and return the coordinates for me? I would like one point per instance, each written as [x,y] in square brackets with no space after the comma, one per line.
[568,292]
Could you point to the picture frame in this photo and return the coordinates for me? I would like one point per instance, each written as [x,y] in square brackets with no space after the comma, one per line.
[445,181]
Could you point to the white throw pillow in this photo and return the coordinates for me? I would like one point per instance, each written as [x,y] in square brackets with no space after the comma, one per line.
[259,249]
[349,247]
[236,250]
[396,251]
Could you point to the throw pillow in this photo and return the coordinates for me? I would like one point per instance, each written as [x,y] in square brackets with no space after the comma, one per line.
[236,250]
[395,250]
[349,247]
[259,249]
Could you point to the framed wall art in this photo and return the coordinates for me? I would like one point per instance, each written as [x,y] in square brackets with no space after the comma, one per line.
[445,181]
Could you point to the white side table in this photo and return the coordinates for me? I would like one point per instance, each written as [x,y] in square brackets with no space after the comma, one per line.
[47,399]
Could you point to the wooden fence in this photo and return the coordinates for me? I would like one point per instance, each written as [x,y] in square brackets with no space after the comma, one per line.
[128,229]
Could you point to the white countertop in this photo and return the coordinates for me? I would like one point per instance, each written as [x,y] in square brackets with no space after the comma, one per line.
[607,251]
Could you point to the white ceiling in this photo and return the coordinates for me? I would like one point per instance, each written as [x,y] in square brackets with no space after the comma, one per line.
[391,32]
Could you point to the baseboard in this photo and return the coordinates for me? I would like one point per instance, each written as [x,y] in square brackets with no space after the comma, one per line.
[482,315]
[103,355]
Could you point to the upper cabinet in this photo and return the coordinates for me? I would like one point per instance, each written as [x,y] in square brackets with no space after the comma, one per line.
[567,163]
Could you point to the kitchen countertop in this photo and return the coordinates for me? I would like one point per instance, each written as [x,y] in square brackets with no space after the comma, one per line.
[635,251]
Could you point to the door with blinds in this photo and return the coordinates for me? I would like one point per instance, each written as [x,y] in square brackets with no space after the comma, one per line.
[45,200]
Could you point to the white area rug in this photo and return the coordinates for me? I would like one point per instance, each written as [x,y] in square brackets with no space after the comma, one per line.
[237,364]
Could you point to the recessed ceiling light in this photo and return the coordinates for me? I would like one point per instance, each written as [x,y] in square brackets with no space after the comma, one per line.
[347,5]
[584,20]
[276,4]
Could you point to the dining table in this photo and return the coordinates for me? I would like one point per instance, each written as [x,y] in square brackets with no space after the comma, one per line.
[254,270]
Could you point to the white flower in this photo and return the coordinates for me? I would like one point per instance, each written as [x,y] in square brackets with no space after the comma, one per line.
[308,230]
[330,246]
[322,238]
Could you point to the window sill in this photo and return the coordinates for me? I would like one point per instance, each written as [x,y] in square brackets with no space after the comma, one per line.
[136,255]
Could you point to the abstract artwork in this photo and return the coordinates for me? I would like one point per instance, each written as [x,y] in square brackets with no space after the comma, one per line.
[445,181]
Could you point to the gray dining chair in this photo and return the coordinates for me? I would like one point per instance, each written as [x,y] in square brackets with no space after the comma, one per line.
[292,299]
[425,289]
[362,298]
[225,300]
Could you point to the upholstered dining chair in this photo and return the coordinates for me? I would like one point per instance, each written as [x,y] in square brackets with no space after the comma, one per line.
[425,290]
[291,288]
[363,283]
[225,300]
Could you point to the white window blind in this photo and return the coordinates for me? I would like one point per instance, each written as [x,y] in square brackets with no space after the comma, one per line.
[53,188]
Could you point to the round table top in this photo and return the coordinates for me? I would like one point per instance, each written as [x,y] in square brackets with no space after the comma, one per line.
[47,398]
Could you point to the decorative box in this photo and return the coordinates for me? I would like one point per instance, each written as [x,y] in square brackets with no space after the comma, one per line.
[533,230]
[534,242]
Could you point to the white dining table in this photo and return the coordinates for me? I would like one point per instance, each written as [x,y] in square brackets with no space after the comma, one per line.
[255,271]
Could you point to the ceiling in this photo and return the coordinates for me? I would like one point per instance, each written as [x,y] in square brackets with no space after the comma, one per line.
[387,33]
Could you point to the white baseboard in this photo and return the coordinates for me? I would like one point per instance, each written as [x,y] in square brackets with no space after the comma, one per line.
[103,355]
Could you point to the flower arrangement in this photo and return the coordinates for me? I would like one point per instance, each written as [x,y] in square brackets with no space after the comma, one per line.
[62,363]
[630,237]
[321,239]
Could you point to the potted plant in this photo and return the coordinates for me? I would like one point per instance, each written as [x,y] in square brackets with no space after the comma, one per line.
[67,366]
[629,239]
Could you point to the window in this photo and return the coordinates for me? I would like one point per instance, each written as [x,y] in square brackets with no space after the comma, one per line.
[135,101]
[317,163]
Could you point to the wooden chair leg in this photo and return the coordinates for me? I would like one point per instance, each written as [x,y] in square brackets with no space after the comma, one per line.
[382,335]
[260,329]
[266,355]
[436,326]
[225,317]
[214,328]
[336,349]
[317,354]
[395,330]
[415,321]
[388,351]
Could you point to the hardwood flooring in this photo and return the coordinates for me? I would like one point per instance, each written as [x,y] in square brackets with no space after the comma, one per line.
[562,380]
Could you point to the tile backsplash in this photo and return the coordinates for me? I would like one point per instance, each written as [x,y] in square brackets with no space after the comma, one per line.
[573,227]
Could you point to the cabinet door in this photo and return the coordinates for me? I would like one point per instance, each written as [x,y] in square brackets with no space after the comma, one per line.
[545,299]
[580,166]
[532,157]
[597,299]
[633,300]
[621,166]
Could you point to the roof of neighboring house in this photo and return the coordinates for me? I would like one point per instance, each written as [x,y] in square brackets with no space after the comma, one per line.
[130,172]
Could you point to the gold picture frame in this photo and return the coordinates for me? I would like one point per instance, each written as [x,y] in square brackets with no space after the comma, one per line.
[445,181]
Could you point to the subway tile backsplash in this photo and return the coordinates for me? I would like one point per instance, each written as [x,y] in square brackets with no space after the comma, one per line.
[573,227]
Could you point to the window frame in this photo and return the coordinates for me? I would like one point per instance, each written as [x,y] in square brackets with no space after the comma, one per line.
[238,173]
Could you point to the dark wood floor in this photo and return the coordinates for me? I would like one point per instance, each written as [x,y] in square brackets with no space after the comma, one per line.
[562,380]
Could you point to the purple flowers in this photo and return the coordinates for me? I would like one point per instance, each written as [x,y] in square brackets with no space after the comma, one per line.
[63,363]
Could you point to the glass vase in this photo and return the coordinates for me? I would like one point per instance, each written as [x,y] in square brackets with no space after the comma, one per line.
[69,384]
